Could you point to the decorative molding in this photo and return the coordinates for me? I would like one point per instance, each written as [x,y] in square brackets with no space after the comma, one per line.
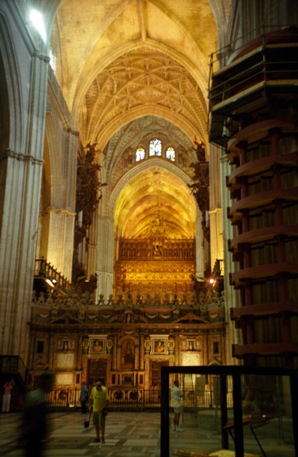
[8,153]
[40,56]
[51,209]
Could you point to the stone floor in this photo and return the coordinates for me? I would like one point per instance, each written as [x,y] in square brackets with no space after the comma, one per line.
[129,434]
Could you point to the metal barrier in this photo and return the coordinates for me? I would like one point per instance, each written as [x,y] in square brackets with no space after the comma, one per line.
[134,399]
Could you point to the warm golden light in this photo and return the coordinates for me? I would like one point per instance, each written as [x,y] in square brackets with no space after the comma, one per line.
[212,281]
[152,199]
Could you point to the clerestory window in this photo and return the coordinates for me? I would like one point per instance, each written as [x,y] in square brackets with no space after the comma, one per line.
[171,154]
[140,154]
[155,148]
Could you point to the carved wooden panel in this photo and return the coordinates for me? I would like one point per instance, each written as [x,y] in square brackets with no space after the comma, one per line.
[156,372]
[97,370]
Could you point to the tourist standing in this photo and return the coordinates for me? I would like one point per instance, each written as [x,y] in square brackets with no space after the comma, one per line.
[6,399]
[177,395]
[84,397]
[99,401]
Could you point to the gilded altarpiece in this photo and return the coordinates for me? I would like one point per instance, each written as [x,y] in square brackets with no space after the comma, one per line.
[123,343]
[156,266]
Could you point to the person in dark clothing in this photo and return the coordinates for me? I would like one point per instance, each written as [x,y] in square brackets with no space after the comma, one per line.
[35,425]
[84,397]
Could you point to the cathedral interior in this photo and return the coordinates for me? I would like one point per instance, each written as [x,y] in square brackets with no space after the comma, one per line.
[148,188]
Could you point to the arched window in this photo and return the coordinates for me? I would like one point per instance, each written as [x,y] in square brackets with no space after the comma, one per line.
[140,154]
[171,154]
[155,147]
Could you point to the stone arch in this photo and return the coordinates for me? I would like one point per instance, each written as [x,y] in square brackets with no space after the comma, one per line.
[154,162]
[178,120]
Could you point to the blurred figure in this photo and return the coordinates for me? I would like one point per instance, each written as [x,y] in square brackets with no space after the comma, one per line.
[6,399]
[177,395]
[99,400]
[84,397]
[35,426]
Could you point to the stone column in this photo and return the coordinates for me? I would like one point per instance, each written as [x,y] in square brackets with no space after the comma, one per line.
[105,256]
[58,249]
[57,208]
[21,165]
[215,211]
[216,236]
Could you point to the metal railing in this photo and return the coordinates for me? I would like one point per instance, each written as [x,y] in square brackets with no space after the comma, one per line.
[223,55]
[135,399]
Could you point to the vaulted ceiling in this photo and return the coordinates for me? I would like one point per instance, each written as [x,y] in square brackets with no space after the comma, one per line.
[119,62]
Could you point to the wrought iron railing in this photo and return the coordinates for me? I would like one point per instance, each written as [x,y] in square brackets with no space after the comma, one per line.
[135,399]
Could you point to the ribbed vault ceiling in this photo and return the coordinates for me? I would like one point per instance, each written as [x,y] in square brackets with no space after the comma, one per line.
[144,81]
[121,62]
[118,60]
[156,203]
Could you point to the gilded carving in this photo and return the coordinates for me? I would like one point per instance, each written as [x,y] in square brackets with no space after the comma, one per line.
[164,277]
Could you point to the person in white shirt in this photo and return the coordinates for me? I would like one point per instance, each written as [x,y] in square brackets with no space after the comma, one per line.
[177,395]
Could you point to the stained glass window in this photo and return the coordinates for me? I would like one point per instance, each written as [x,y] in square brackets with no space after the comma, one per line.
[140,154]
[155,147]
[171,154]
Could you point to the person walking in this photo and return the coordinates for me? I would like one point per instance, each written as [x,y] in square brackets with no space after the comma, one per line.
[6,399]
[84,397]
[99,401]
[35,426]
[177,395]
